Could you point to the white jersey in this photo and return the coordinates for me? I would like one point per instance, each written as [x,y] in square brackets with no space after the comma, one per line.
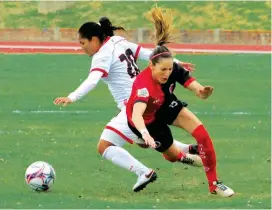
[115,64]
[117,60]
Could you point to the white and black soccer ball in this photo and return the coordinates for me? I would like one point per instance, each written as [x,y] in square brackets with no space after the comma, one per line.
[40,176]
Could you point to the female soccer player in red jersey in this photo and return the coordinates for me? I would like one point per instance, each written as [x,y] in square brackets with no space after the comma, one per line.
[149,95]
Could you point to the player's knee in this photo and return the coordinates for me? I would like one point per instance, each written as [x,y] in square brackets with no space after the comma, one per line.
[100,149]
[102,146]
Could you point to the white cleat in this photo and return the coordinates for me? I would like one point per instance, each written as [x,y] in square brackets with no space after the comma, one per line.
[193,160]
[222,190]
[144,180]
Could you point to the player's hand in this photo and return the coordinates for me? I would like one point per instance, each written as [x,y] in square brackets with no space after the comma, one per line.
[188,66]
[205,92]
[149,140]
[64,101]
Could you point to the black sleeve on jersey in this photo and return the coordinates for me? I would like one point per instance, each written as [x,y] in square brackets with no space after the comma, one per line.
[180,74]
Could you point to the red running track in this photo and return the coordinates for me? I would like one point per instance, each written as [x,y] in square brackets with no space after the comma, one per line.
[74,48]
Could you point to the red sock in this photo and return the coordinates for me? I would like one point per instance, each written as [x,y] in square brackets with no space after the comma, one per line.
[207,154]
[180,155]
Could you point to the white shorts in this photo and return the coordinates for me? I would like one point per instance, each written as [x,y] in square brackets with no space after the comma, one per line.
[118,132]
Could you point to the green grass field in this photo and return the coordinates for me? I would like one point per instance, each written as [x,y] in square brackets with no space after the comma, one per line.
[68,140]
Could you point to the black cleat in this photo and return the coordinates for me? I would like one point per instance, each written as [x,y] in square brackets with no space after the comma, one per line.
[193,149]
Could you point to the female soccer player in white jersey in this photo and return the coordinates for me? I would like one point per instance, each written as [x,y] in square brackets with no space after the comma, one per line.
[114,61]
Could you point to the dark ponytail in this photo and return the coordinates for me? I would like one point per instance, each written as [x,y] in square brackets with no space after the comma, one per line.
[107,27]
[90,29]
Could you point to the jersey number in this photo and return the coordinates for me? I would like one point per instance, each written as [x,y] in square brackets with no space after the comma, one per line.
[132,68]
[173,104]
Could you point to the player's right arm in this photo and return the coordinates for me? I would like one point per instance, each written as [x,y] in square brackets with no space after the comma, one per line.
[137,115]
[138,121]
[140,100]
[89,84]
[100,67]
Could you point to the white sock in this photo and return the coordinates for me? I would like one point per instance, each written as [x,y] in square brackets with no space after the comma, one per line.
[122,158]
[183,147]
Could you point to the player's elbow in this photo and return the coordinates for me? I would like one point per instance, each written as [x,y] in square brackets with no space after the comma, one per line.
[135,116]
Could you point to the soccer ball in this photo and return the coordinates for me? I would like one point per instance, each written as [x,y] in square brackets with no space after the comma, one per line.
[40,176]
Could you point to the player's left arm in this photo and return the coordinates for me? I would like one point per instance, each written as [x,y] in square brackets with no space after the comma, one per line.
[144,54]
[184,78]
[202,92]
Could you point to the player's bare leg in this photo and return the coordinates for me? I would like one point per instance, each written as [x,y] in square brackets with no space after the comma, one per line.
[189,152]
[173,154]
[122,158]
[189,122]
[186,148]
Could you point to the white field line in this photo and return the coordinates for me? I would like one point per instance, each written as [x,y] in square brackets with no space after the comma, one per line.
[39,47]
[52,112]
[178,50]
[89,112]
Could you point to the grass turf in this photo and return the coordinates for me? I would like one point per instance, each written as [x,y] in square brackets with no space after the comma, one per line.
[68,140]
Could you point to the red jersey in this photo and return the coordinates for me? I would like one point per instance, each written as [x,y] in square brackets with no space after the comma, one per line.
[145,89]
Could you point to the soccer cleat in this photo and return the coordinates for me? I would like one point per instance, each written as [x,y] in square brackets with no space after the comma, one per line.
[193,160]
[193,149]
[144,180]
[222,190]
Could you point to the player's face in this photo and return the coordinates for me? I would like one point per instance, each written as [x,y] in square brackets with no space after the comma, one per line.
[90,47]
[162,70]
